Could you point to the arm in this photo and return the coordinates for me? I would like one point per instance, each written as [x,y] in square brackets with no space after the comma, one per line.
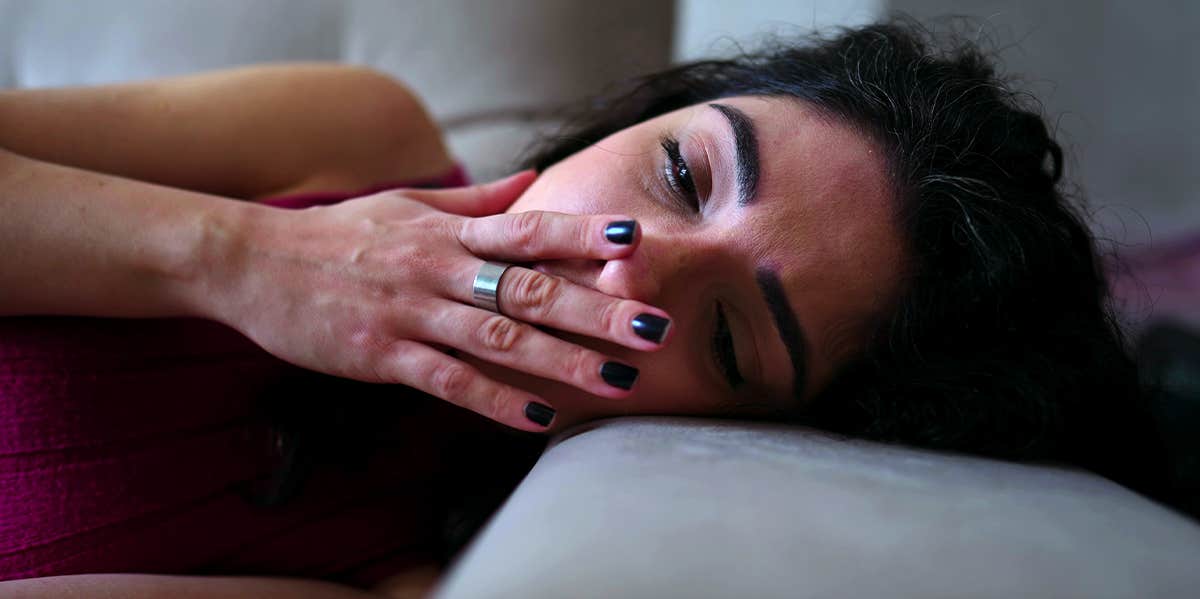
[368,289]
[85,243]
[241,133]
[82,231]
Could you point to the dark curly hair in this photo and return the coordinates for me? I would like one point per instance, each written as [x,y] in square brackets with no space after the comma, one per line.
[1002,341]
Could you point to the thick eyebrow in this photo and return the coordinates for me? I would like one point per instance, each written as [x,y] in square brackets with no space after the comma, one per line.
[745,145]
[788,326]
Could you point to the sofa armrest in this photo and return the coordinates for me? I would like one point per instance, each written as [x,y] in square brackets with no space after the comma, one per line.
[677,507]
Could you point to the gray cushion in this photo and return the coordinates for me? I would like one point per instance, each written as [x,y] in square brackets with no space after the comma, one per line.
[676,507]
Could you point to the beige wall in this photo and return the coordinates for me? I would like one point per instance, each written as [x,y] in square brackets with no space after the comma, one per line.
[708,27]
[1119,81]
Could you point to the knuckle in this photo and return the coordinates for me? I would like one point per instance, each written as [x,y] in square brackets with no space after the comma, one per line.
[365,342]
[442,224]
[451,380]
[387,361]
[420,264]
[590,232]
[500,333]
[494,406]
[610,317]
[533,292]
[382,369]
[464,230]
[385,369]
[578,364]
[524,230]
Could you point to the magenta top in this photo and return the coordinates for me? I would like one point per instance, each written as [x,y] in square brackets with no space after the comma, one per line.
[129,446]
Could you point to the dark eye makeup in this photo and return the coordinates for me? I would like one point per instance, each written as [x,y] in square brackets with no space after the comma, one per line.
[722,349]
[678,176]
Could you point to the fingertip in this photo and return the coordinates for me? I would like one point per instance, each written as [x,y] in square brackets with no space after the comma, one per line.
[652,329]
[622,232]
[619,377]
[540,414]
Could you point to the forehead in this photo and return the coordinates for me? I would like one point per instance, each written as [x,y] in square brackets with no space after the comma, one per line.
[806,152]
[824,217]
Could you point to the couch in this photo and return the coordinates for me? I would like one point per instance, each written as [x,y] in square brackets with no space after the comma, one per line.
[649,507]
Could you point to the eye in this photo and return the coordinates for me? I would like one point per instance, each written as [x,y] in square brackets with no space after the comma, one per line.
[723,352]
[679,176]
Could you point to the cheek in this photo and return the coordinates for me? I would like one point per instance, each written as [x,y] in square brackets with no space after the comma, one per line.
[670,382]
[590,182]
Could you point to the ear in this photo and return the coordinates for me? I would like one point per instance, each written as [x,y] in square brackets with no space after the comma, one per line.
[477,200]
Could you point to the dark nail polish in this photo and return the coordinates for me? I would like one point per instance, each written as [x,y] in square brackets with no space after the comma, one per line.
[539,413]
[621,231]
[651,327]
[619,375]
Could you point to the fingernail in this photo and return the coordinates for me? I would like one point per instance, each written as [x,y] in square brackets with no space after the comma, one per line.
[620,231]
[539,413]
[651,327]
[619,375]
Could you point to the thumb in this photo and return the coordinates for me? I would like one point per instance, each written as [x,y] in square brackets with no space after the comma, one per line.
[477,200]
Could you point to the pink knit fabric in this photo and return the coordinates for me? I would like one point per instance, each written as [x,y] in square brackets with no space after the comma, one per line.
[129,445]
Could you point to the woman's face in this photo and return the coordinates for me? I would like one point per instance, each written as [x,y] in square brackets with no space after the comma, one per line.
[767,235]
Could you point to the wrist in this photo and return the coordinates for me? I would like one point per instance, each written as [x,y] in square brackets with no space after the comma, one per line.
[205,278]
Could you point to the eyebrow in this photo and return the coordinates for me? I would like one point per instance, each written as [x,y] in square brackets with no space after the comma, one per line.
[745,145]
[788,326]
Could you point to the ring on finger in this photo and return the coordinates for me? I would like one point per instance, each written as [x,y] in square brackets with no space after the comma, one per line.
[485,289]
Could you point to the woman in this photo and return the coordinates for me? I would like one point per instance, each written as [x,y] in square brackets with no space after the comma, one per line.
[864,234]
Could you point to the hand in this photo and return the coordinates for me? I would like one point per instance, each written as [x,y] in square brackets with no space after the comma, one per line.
[372,288]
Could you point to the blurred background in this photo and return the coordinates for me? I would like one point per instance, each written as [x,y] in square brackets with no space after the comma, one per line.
[1120,81]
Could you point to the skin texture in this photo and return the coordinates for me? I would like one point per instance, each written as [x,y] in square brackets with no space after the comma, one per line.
[822,217]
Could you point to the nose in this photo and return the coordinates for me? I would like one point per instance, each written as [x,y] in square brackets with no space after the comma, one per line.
[660,262]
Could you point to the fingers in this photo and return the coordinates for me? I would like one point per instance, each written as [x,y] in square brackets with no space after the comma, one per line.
[445,377]
[543,299]
[520,346]
[536,235]
[532,296]
[476,200]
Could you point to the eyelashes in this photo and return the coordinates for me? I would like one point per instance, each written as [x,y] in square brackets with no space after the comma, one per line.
[722,350]
[678,175]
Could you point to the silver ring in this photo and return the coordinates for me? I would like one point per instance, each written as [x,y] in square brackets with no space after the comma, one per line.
[487,285]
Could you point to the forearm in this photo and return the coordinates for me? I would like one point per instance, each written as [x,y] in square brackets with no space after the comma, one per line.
[188,132]
[240,133]
[83,243]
